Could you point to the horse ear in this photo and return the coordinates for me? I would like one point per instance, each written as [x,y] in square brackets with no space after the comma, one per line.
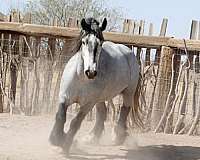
[84,25]
[104,24]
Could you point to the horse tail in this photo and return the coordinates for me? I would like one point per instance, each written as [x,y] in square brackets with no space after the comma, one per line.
[136,109]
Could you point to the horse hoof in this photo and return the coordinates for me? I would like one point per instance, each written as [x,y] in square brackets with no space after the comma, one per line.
[66,148]
[119,135]
[56,139]
[120,139]
[65,152]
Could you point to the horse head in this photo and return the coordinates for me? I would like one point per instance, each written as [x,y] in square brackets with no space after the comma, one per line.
[91,45]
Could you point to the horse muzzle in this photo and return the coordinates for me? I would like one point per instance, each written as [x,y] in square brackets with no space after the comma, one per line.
[90,74]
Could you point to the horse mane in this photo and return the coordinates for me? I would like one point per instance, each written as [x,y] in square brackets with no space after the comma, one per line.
[95,29]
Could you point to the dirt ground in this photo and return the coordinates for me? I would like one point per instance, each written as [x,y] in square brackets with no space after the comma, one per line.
[26,138]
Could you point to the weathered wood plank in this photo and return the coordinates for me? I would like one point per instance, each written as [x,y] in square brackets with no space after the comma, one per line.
[66,32]
[163,28]
[194,30]
[162,85]
[148,51]
[38,30]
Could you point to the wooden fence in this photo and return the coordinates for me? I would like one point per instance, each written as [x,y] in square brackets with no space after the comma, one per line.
[32,58]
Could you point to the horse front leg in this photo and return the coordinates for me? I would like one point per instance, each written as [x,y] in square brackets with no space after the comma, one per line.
[57,134]
[75,125]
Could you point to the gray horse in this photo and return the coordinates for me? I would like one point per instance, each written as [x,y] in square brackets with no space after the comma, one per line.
[97,72]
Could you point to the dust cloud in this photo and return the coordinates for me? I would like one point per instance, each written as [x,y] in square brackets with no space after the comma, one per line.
[26,138]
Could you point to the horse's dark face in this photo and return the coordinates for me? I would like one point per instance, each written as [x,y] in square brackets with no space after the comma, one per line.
[91,47]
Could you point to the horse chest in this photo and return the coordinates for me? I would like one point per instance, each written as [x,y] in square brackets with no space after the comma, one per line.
[89,91]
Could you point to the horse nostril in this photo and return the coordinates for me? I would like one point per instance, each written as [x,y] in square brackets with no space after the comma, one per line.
[87,72]
[95,73]
[90,74]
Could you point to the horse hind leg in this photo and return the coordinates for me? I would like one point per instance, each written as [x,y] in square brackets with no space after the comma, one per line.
[101,113]
[57,134]
[121,127]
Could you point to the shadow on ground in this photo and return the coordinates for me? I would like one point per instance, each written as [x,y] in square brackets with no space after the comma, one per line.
[158,152]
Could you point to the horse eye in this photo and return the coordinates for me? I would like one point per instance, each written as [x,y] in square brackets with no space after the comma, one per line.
[83,42]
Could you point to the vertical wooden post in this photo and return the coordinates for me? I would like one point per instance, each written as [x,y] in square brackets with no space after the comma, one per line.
[171,95]
[1,74]
[140,32]
[36,107]
[15,17]
[125,26]
[163,31]
[129,27]
[197,62]
[141,27]
[48,77]
[24,83]
[194,30]
[148,51]
[154,94]
[136,28]
[192,74]
[6,39]
[195,34]
[72,22]
[1,68]
[162,85]
[196,108]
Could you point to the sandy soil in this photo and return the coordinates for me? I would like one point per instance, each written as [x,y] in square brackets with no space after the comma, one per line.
[26,138]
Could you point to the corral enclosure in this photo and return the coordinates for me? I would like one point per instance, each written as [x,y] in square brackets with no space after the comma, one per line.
[32,58]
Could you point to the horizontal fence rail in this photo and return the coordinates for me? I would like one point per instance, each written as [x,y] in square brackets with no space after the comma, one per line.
[124,38]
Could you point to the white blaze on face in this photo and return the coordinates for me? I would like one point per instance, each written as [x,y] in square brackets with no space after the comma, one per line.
[86,56]
[88,52]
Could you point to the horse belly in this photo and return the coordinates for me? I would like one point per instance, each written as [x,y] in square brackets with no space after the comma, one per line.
[114,86]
